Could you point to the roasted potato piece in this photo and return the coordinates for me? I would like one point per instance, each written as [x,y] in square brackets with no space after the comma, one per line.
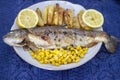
[68,17]
[40,20]
[55,17]
[44,14]
[82,25]
[58,15]
[75,22]
[50,14]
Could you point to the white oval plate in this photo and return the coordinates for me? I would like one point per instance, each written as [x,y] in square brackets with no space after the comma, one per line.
[27,57]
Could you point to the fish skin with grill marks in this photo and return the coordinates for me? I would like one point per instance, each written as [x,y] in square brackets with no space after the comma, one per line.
[51,37]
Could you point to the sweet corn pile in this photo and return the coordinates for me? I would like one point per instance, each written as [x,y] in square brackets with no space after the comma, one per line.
[59,56]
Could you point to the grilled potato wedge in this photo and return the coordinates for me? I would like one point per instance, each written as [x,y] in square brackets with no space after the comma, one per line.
[40,20]
[82,25]
[75,22]
[44,14]
[55,17]
[50,14]
[68,17]
[60,13]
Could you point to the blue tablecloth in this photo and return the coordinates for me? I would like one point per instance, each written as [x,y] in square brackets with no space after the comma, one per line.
[104,66]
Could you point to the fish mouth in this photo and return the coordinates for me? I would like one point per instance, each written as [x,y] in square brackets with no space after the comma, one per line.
[11,41]
[5,36]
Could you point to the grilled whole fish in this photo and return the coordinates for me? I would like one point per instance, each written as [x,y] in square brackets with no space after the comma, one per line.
[57,37]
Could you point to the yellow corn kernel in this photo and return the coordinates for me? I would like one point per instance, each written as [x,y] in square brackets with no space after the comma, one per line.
[31,52]
[73,60]
[57,64]
[52,59]
[69,60]
[38,57]
[41,61]
[50,55]
[53,62]
[61,58]
[60,54]
[71,48]
[48,61]
[61,49]
[59,61]
[45,61]
[68,47]
[55,50]
[82,56]
[77,59]
[85,49]
[78,47]
[65,62]
[65,55]
[79,54]
[55,57]
[72,57]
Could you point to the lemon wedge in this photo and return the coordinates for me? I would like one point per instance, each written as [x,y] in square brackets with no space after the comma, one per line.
[93,18]
[27,18]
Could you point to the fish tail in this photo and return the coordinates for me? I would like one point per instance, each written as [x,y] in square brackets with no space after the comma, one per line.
[111,45]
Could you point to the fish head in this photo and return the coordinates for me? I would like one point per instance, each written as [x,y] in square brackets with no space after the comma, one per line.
[15,37]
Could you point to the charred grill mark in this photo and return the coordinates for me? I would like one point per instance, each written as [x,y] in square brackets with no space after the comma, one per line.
[75,33]
[46,32]
[50,31]
[90,34]
[80,39]
[59,40]
[55,32]
[44,37]
[64,32]
[55,39]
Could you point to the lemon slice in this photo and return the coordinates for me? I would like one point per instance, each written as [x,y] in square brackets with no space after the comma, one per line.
[93,18]
[27,18]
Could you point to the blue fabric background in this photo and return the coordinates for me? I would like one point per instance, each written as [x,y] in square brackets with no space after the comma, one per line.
[104,66]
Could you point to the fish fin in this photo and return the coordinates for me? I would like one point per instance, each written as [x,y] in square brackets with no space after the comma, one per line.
[111,45]
[26,48]
[33,47]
